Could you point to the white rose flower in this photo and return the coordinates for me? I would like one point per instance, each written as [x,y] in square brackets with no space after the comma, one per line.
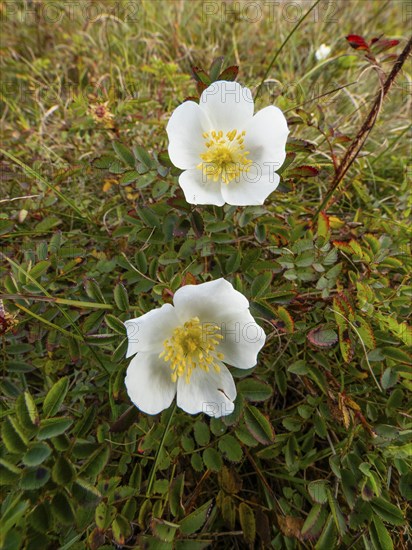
[322,52]
[181,350]
[228,154]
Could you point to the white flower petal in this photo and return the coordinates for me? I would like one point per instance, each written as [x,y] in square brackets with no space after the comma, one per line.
[228,105]
[198,191]
[266,135]
[210,392]
[185,132]
[209,301]
[149,384]
[243,339]
[148,332]
[252,188]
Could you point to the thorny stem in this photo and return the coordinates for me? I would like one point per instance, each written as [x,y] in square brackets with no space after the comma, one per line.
[358,142]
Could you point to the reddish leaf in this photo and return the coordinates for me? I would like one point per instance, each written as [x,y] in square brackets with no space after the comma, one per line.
[323,225]
[201,76]
[346,346]
[285,323]
[304,171]
[230,73]
[189,279]
[344,246]
[296,144]
[191,98]
[357,42]
[201,88]
[383,45]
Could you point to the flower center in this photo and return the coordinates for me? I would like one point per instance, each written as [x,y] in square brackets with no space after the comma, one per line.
[192,345]
[225,156]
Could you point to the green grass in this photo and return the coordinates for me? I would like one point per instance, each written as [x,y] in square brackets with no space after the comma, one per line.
[320,455]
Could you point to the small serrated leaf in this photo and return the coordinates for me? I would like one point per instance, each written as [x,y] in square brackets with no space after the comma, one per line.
[322,337]
[194,521]
[230,73]
[258,425]
[124,153]
[121,297]
[318,490]
[55,397]
[231,448]
[247,523]
[212,459]
[357,42]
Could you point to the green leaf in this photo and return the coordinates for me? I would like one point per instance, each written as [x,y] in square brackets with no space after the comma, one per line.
[31,408]
[93,291]
[96,462]
[39,517]
[142,156]
[322,337]
[349,486]
[147,215]
[202,433]
[397,354]
[123,152]
[13,436]
[62,509]
[328,538]
[405,485]
[115,324]
[387,511]
[299,367]
[201,76]
[314,522]
[379,535]
[318,490]
[212,459]
[231,448]
[55,397]
[84,492]
[254,390]
[39,269]
[34,479]
[12,512]
[37,454]
[260,284]
[389,378]
[129,177]
[336,513]
[323,226]
[63,471]
[121,297]
[259,426]
[194,521]
[215,68]
[103,162]
[176,494]
[247,523]
[52,427]
[230,73]
[287,323]
[121,529]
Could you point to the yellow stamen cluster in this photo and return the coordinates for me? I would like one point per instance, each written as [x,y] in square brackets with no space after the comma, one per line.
[225,156]
[192,345]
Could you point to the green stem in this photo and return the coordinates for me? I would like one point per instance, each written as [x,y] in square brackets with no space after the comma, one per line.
[73,303]
[283,45]
[30,172]
[159,449]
